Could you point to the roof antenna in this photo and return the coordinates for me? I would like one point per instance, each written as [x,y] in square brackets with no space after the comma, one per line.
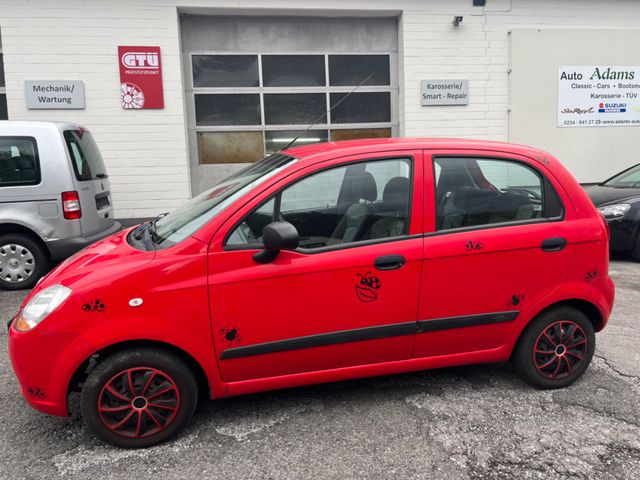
[327,112]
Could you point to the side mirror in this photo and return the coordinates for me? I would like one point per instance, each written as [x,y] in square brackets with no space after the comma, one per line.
[277,236]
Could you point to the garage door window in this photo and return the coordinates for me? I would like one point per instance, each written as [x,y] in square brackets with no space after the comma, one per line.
[249,106]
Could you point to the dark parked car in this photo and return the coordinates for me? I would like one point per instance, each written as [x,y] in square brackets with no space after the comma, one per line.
[618,199]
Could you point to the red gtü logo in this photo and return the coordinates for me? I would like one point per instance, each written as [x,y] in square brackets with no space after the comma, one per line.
[141,60]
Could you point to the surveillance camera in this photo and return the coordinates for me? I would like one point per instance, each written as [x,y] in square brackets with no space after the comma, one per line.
[456,20]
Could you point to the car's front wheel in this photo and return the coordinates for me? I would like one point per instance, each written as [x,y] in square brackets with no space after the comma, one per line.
[555,348]
[139,398]
[22,261]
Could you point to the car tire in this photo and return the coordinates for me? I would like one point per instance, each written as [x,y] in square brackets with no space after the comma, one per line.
[555,349]
[164,397]
[22,261]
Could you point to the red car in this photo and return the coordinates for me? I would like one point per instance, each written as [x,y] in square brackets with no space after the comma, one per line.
[323,263]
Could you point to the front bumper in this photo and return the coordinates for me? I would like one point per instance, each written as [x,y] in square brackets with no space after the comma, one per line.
[44,365]
[65,247]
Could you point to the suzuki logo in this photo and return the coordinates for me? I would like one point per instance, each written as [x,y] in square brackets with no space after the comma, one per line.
[141,60]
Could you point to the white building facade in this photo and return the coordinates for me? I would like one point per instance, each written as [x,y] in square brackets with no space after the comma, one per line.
[240,79]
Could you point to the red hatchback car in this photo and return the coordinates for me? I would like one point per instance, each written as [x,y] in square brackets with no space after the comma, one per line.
[323,263]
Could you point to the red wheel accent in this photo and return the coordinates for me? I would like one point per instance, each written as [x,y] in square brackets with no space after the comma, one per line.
[139,402]
[559,349]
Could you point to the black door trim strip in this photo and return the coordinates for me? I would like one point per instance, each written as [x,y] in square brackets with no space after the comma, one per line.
[369,333]
[466,321]
[323,339]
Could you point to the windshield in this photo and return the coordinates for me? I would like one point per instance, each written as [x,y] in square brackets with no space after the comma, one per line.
[627,179]
[185,220]
[85,156]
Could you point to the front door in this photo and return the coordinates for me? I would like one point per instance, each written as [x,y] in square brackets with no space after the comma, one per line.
[347,296]
[500,241]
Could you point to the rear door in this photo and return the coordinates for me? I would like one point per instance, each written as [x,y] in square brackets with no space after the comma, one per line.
[498,241]
[91,181]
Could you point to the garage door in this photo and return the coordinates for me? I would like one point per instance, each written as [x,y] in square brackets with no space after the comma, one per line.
[256,83]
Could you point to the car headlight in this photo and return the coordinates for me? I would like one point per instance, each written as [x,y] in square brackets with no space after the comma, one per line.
[41,305]
[614,211]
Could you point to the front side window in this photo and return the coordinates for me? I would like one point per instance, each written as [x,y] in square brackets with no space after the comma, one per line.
[19,164]
[85,156]
[474,192]
[187,219]
[346,204]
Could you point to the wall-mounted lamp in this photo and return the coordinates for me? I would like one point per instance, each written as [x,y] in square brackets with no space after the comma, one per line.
[457,20]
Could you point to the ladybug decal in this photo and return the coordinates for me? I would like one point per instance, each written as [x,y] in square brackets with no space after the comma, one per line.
[367,287]
[470,246]
[591,276]
[516,299]
[230,335]
[95,306]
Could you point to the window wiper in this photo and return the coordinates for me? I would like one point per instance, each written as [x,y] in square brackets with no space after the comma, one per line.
[152,226]
[142,234]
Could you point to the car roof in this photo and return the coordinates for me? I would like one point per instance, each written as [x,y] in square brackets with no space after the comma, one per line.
[347,147]
[60,125]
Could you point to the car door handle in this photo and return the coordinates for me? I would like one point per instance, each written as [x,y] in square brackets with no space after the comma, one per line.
[554,244]
[389,262]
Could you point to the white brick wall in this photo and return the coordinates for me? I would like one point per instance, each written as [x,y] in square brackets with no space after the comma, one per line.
[146,151]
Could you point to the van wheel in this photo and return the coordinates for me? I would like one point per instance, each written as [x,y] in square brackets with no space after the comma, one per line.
[139,398]
[22,261]
[555,348]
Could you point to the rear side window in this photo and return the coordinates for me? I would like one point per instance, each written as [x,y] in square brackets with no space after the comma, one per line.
[474,192]
[19,163]
[85,156]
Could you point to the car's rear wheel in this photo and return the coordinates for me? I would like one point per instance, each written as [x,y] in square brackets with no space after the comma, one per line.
[139,398]
[22,261]
[555,348]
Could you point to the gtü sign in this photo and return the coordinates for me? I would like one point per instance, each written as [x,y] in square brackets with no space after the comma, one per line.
[141,60]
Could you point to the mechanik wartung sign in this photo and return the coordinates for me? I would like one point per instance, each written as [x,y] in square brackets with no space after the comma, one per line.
[598,96]
[140,77]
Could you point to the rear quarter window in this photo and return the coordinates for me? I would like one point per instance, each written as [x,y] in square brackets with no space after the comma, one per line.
[85,156]
[19,162]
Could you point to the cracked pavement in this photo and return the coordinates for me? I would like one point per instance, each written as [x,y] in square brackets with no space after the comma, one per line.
[478,422]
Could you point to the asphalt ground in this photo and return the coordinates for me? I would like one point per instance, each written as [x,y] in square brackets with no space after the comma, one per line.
[479,422]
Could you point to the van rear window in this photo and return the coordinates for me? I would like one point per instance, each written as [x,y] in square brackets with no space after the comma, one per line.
[85,155]
[19,164]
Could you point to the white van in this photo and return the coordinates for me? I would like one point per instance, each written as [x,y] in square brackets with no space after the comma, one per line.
[54,197]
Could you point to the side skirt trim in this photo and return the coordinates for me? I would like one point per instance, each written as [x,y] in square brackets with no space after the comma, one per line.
[369,333]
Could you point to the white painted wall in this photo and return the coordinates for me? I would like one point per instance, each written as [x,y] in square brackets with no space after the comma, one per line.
[146,151]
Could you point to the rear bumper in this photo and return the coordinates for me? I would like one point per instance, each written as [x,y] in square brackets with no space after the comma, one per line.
[604,295]
[65,247]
